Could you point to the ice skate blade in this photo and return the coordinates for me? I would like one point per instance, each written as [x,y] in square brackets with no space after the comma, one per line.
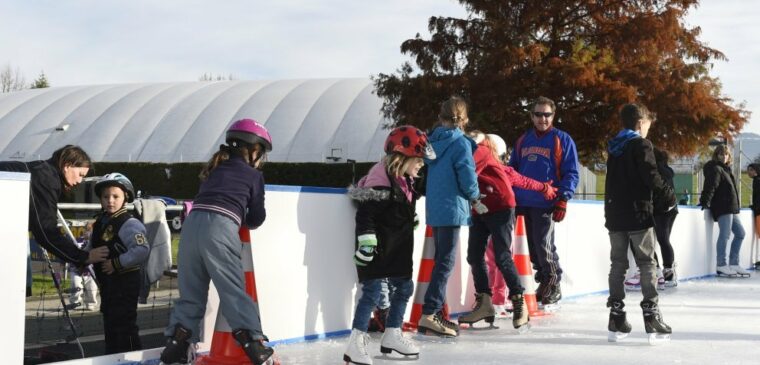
[550,308]
[658,338]
[616,336]
[471,327]
[523,329]
[434,338]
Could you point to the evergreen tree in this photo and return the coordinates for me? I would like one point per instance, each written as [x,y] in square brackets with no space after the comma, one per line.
[41,82]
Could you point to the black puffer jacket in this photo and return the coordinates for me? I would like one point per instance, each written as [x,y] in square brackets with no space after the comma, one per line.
[46,188]
[632,177]
[383,209]
[719,190]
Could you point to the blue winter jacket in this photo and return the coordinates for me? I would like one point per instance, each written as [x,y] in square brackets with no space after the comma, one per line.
[552,156]
[451,182]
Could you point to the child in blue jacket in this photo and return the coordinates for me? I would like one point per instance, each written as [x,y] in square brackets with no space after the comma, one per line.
[451,192]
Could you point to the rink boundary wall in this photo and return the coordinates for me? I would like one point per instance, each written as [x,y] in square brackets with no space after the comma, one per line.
[306,278]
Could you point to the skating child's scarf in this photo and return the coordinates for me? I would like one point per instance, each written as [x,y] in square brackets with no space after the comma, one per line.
[616,145]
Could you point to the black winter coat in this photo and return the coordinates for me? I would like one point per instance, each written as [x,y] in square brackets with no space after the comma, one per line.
[632,178]
[386,212]
[719,190]
[756,196]
[667,173]
[45,190]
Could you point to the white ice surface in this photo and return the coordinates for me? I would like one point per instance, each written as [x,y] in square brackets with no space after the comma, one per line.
[714,321]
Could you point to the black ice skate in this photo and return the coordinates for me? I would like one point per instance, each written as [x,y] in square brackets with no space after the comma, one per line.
[618,325]
[254,349]
[658,331]
[178,349]
[550,300]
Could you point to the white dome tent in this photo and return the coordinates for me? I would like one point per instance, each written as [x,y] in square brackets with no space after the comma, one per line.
[316,120]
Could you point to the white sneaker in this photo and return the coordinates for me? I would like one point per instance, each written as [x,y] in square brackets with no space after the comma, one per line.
[394,340]
[739,270]
[356,353]
[501,311]
[725,270]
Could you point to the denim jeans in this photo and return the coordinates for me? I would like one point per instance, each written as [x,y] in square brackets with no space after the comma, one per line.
[445,238]
[727,224]
[499,226]
[642,244]
[401,290]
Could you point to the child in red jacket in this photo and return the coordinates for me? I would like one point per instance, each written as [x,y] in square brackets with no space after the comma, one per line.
[495,181]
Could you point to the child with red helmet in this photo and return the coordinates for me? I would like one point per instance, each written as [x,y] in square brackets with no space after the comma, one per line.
[385,222]
[231,194]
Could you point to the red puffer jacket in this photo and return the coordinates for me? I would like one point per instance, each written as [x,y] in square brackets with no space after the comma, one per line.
[496,180]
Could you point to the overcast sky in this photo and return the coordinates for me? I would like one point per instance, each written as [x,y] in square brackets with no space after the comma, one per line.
[97,42]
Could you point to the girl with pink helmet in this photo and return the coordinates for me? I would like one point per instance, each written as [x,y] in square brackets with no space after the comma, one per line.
[231,194]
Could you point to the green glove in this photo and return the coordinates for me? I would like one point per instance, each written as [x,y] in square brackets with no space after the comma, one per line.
[366,250]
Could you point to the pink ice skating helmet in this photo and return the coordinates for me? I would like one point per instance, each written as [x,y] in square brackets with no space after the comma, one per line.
[249,131]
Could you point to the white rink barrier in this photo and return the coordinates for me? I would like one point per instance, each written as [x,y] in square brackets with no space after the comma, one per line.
[14,213]
[306,280]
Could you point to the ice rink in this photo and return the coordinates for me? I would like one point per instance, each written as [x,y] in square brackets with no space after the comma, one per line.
[714,321]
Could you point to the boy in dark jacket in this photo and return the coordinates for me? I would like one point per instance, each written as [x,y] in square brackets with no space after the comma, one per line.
[632,179]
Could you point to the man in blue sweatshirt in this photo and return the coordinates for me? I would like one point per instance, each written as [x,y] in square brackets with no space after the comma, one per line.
[546,154]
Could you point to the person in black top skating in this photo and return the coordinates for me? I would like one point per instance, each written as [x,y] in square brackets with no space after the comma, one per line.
[632,180]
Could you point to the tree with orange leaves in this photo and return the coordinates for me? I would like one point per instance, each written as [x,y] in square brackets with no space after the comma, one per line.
[589,56]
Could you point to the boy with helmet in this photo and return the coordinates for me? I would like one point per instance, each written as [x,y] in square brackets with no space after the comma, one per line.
[385,222]
[231,194]
[119,275]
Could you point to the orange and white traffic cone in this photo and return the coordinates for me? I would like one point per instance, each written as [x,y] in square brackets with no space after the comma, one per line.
[423,281]
[224,348]
[521,257]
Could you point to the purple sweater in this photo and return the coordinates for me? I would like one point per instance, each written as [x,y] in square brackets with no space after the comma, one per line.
[236,190]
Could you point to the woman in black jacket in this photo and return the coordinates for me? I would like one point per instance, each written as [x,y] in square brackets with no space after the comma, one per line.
[64,170]
[720,196]
[664,217]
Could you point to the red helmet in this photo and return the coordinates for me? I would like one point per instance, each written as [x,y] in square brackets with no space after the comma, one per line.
[409,141]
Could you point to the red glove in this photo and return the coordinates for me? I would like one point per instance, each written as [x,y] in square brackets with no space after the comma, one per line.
[560,207]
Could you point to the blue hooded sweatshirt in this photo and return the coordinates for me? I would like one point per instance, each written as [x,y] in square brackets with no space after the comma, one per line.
[616,145]
[451,182]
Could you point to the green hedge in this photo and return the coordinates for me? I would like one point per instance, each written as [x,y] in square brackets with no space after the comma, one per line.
[180,180]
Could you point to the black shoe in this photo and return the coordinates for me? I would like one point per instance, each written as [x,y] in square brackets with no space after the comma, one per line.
[175,351]
[552,296]
[255,349]
[377,322]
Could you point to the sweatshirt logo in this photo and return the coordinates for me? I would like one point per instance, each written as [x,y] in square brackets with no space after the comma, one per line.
[535,150]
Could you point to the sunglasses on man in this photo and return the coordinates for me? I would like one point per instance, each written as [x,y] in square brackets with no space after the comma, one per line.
[542,114]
